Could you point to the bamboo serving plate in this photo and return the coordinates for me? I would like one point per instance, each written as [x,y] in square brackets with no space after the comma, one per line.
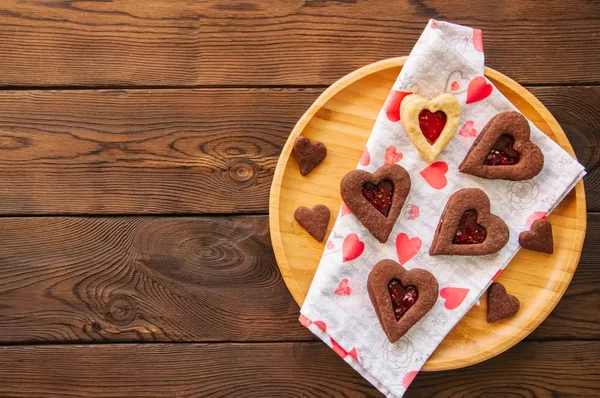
[342,118]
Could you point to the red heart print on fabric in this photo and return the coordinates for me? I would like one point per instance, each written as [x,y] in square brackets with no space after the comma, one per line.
[408,378]
[321,325]
[304,321]
[433,25]
[392,156]
[435,175]
[454,296]
[345,209]
[353,354]
[478,40]
[467,130]
[330,245]
[338,349]
[535,216]
[478,90]
[407,247]
[455,86]
[352,247]
[343,288]
[392,107]
[365,158]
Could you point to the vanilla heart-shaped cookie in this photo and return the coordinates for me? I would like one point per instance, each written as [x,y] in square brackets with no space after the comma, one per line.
[400,297]
[467,227]
[501,305]
[503,150]
[376,199]
[430,124]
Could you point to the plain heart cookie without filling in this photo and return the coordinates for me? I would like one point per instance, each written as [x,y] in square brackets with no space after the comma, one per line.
[430,124]
[308,154]
[376,199]
[501,305]
[467,227]
[400,297]
[503,150]
[314,220]
[539,238]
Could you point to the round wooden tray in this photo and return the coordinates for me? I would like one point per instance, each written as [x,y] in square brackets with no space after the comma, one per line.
[342,118]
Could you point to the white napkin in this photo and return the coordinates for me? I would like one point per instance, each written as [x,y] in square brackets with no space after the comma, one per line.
[447,58]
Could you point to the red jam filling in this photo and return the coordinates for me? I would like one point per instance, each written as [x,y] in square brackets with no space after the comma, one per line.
[468,231]
[380,196]
[432,124]
[502,153]
[402,297]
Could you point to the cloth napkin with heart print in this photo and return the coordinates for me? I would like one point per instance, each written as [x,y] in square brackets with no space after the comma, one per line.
[447,58]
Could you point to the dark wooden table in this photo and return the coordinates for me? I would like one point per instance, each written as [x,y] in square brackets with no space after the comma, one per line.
[137,145]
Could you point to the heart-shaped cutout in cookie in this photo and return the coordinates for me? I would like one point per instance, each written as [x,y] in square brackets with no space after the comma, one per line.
[501,305]
[400,297]
[376,199]
[539,237]
[503,150]
[314,220]
[467,227]
[430,124]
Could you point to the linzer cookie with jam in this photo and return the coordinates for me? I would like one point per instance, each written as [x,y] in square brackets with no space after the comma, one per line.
[430,124]
[503,150]
[400,297]
[467,227]
[376,199]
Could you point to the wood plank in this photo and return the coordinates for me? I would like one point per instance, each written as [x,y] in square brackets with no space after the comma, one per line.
[140,151]
[258,42]
[142,279]
[132,279]
[278,369]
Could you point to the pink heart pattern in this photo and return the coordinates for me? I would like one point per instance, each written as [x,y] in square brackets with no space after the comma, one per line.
[468,130]
[408,378]
[365,158]
[407,247]
[435,175]
[343,288]
[392,156]
[352,247]
[478,90]
[454,296]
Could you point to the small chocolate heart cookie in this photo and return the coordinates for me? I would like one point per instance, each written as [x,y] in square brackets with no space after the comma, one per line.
[400,297]
[467,227]
[376,199]
[539,237]
[503,150]
[314,220]
[501,305]
[308,154]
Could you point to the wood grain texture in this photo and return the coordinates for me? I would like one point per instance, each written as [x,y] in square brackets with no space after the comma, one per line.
[142,279]
[182,278]
[279,369]
[141,151]
[342,118]
[258,42]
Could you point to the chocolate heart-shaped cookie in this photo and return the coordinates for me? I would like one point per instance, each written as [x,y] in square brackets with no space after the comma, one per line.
[430,124]
[467,227]
[503,150]
[501,305]
[314,220]
[539,237]
[400,297]
[308,154]
[376,199]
